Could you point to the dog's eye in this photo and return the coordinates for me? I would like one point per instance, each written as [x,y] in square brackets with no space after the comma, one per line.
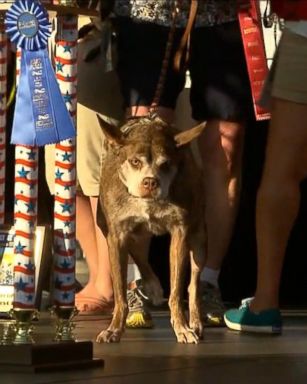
[165,166]
[136,163]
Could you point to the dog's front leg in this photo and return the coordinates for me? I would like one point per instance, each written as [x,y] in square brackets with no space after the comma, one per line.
[178,261]
[118,254]
[197,256]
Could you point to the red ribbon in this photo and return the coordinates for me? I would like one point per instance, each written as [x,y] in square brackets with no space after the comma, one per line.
[290,10]
[253,42]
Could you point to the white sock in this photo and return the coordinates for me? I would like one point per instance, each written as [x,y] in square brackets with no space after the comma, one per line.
[133,273]
[211,276]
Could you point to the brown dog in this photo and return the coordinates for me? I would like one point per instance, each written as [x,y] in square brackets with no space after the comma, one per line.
[151,184]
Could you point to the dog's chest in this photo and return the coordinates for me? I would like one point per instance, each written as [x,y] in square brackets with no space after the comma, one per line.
[157,217]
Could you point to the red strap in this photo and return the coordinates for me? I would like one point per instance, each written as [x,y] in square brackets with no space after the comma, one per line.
[253,42]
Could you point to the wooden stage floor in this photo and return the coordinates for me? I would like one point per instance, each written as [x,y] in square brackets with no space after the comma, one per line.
[153,356]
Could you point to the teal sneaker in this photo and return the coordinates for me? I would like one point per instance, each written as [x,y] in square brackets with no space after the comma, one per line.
[242,319]
[246,302]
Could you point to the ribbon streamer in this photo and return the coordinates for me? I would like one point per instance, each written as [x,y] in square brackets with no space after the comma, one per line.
[253,43]
[40,116]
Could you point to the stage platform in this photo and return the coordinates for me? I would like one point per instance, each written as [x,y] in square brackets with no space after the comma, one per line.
[153,356]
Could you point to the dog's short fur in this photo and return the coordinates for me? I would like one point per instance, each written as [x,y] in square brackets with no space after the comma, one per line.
[151,184]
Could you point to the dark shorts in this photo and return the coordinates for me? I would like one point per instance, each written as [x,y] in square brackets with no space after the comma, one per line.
[219,80]
[141,50]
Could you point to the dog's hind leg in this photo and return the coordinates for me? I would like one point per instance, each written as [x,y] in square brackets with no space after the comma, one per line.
[197,257]
[118,259]
[178,261]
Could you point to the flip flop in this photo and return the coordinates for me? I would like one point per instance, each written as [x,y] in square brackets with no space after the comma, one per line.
[88,305]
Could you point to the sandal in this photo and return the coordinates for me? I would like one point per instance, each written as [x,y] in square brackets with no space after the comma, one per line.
[87,305]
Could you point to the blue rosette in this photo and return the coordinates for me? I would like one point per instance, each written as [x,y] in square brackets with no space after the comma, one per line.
[40,115]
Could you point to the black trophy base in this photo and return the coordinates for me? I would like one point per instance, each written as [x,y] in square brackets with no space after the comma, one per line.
[34,358]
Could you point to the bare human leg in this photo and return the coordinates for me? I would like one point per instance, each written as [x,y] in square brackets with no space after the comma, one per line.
[221,147]
[277,207]
[279,196]
[98,292]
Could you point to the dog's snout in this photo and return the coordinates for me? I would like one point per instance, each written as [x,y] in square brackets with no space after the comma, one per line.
[150,183]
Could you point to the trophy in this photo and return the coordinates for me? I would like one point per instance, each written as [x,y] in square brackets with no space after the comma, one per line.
[27,25]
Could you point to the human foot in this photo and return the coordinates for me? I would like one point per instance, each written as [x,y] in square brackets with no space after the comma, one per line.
[247,320]
[90,305]
[213,308]
[139,315]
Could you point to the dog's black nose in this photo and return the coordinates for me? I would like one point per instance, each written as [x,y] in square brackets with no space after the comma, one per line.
[150,183]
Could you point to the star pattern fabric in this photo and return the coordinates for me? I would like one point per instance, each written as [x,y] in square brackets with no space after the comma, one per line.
[65,173]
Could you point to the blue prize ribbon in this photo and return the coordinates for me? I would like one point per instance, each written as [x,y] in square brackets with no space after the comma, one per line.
[40,116]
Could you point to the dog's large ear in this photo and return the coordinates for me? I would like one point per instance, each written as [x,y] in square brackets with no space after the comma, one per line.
[112,133]
[186,137]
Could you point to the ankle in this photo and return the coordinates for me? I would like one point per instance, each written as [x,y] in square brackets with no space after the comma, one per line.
[104,292]
[262,304]
[211,276]
[132,285]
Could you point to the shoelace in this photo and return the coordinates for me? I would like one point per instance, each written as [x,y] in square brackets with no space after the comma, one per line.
[214,300]
[212,295]
[246,302]
[135,300]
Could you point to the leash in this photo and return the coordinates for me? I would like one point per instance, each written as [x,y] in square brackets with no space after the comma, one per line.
[185,40]
[184,44]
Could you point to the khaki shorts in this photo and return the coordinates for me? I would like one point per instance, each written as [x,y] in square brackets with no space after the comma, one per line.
[97,92]
[287,79]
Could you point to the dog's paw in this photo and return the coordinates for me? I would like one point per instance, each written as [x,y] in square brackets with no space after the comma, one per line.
[109,336]
[196,324]
[198,328]
[187,336]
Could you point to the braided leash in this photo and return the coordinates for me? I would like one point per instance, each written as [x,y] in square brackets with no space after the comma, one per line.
[177,60]
[165,63]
